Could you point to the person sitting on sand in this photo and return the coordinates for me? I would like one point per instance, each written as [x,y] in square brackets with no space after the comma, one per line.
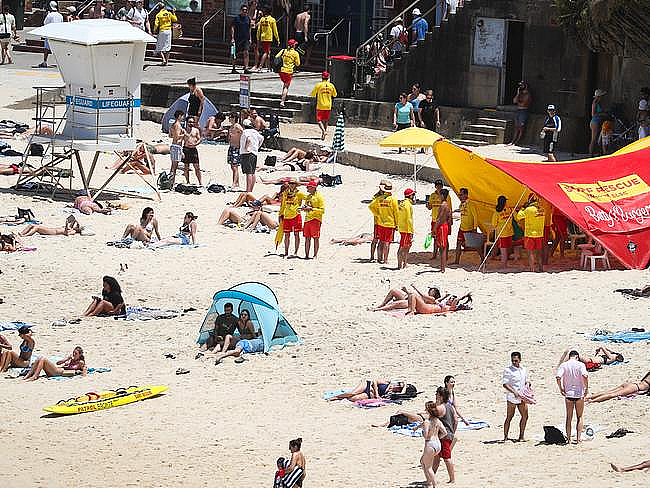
[246,329]
[248,342]
[214,129]
[604,356]
[625,389]
[111,301]
[433,432]
[186,234]
[9,358]
[398,298]
[362,238]
[70,228]
[86,206]
[224,325]
[74,364]
[4,344]
[644,465]
[248,219]
[145,229]
[366,390]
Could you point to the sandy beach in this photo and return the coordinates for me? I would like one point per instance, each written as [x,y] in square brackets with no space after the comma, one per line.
[226,425]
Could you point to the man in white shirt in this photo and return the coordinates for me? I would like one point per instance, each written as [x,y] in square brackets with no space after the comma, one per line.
[514,379]
[139,17]
[7,28]
[249,146]
[573,380]
[396,33]
[52,17]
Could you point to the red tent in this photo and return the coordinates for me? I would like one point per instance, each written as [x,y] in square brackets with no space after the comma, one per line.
[609,197]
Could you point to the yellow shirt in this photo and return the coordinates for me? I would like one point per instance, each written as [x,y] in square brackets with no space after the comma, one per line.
[290,60]
[317,203]
[434,202]
[267,29]
[384,208]
[290,203]
[533,220]
[502,220]
[324,91]
[468,216]
[164,20]
[405,217]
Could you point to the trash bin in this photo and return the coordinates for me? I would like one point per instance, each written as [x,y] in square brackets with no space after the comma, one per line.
[341,70]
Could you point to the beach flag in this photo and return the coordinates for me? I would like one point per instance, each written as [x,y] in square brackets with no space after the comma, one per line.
[338,143]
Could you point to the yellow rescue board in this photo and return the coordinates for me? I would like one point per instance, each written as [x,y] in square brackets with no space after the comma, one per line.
[91,402]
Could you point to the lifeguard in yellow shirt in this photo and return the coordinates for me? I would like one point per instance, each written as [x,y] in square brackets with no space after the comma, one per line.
[468,223]
[384,209]
[290,61]
[290,205]
[405,227]
[532,217]
[502,223]
[314,206]
[163,27]
[434,205]
[267,31]
[324,91]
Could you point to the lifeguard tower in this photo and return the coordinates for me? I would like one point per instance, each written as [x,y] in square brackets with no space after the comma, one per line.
[101,62]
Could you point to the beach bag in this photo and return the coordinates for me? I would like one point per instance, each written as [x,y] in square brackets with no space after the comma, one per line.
[216,188]
[553,435]
[177,31]
[164,181]
[398,420]
[278,62]
[36,149]
[271,160]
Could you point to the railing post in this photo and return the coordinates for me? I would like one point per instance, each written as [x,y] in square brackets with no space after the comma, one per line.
[327,45]
[349,33]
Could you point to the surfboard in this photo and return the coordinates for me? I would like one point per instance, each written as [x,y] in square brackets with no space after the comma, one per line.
[92,402]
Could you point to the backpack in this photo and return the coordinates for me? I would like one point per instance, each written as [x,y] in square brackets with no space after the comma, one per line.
[36,149]
[410,392]
[553,435]
[164,181]
[271,160]
[398,420]
[277,63]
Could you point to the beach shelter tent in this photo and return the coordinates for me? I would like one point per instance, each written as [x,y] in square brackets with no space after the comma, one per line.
[209,110]
[413,138]
[264,310]
[608,197]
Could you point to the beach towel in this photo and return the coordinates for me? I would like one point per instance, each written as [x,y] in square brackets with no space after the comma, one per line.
[14,325]
[625,337]
[635,293]
[90,371]
[375,402]
[332,393]
[149,313]
[410,431]
[290,479]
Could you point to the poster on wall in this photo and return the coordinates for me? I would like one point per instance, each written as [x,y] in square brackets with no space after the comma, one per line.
[180,5]
[489,39]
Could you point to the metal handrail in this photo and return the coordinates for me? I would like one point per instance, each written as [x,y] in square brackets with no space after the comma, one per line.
[327,37]
[203,31]
[85,7]
[376,35]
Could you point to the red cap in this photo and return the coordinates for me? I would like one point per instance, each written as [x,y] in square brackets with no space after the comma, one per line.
[408,192]
[312,184]
[326,74]
[292,42]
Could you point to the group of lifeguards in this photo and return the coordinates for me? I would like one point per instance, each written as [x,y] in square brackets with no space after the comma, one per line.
[292,202]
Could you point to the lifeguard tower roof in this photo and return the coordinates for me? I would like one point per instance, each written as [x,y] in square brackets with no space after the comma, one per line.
[93,31]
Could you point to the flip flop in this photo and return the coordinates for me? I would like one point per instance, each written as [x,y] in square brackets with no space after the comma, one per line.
[182,371]
[240,360]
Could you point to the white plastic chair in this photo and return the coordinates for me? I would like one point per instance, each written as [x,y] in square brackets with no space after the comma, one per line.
[592,258]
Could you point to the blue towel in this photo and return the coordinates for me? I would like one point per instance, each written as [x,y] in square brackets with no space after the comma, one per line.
[13,325]
[407,430]
[329,394]
[626,337]
[90,371]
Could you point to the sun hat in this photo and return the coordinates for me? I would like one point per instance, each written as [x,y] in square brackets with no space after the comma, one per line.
[325,74]
[599,93]
[416,11]
[24,329]
[292,42]
[550,107]
[408,192]
[386,186]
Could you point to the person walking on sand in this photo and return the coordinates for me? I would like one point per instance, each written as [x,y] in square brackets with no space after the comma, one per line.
[468,223]
[52,17]
[385,209]
[405,227]
[191,140]
[433,204]
[573,381]
[433,432]
[323,91]
[290,61]
[441,228]
[532,216]
[551,131]
[447,415]
[314,206]
[290,215]
[249,145]
[177,135]
[7,31]
[514,379]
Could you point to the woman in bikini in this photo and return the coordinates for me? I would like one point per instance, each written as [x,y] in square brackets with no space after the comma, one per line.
[249,220]
[418,305]
[246,199]
[10,243]
[366,390]
[70,228]
[111,301]
[10,359]
[186,234]
[432,430]
[625,389]
[86,206]
[145,229]
[9,169]
[397,299]
[74,364]
[604,356]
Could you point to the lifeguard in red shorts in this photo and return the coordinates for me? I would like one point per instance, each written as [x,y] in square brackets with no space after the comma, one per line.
[324,91]
[468,223]
[314,206]
[384,209]
[532,218]
[441,226]
[502,223]
[290,61]
[405,227]
[290,215]
[267,31]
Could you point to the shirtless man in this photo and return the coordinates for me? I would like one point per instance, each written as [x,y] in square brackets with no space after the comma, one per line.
[441,228]
[258,122]
[301,25]
[523,100]
[191,139]
[234,137]
[177,134]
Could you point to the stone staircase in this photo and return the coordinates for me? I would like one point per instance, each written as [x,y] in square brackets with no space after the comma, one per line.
[483,132]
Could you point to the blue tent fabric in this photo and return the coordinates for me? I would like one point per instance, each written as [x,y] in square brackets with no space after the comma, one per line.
[209,110]
[262,304]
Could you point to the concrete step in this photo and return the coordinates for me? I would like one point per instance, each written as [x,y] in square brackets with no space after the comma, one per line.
[499,132]
[492,122]
[469,143]
[478,136]
[274,102]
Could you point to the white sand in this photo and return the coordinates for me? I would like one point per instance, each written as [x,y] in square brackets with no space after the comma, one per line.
[226,425]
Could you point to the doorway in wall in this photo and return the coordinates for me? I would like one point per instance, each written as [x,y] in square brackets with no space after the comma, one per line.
[514,62]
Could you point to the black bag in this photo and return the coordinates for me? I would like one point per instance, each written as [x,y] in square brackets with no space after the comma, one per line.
[164,181]
[36,149]
[328,180]
[187,189]
[398,420]
[553,435]
[271,160]
[410,392]
[277,63]
[216,188]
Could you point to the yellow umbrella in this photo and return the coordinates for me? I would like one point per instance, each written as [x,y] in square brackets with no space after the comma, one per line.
[415,138]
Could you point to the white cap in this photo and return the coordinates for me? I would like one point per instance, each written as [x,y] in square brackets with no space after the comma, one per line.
[72,9]
[247,123]
[416,11]
[53,6]
[550,107]
[643,104]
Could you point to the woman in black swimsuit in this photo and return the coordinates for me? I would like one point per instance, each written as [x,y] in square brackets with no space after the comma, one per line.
[111,301]
[367,389]
[642,387]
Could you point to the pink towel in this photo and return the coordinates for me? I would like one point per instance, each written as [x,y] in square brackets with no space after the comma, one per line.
[527,395]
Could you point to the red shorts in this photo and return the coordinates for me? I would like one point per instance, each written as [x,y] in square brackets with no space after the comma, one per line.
[322,115]
[266,46]
[406,240]
[505,242]
[292,225]
[384,234]
[533,243]
[286,78]
[442,236]
[560,225]
[311,228]
[445,448]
